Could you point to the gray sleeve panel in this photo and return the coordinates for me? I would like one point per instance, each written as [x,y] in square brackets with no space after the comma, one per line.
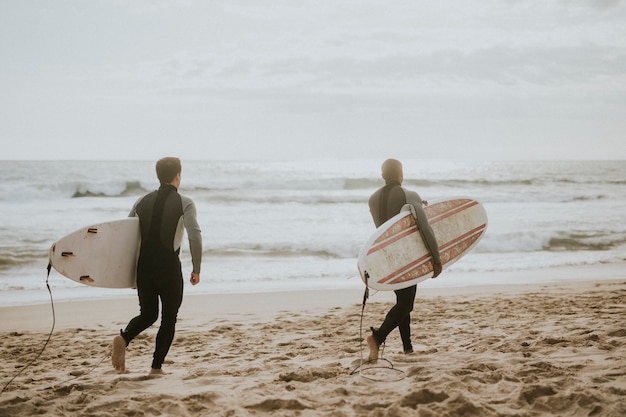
[194,234]
[133,211]
[426,231]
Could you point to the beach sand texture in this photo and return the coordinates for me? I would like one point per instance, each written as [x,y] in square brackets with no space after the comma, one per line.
[544,350]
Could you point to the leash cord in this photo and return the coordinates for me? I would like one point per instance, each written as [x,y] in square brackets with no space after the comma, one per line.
[47,340]
[46,344]
[107,355]
[360,368]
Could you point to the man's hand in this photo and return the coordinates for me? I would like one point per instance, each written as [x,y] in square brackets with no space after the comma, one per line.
[195,278]
[437,268]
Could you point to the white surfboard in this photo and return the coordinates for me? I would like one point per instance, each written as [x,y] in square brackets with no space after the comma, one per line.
[395,256]
[101,255]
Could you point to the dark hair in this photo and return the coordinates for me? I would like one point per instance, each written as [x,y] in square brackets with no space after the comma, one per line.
[391,170]
[167,169]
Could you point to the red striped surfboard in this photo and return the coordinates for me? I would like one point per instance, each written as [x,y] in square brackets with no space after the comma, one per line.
[395,256]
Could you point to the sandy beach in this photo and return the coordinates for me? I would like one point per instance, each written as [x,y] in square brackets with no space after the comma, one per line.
[533,350]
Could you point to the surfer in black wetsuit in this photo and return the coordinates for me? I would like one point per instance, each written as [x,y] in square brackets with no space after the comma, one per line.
[385,203]
[162,216]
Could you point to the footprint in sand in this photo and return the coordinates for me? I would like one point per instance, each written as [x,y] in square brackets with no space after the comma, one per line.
[273,404]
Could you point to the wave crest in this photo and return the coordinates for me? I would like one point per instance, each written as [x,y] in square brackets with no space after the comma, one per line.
[550,241]
[109,190]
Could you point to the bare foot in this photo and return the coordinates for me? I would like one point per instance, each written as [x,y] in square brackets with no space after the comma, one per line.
[373,345]
[118,356]
[156,372]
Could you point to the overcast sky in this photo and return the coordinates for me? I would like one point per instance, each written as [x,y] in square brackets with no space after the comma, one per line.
[255,79]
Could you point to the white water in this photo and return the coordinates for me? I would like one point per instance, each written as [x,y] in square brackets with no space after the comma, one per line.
[299,225]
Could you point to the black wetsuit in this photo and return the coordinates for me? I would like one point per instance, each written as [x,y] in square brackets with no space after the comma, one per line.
[385,203]
[162,216]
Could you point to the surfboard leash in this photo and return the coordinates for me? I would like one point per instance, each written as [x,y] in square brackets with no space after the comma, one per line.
[360,368]
[107,355]
[49,267]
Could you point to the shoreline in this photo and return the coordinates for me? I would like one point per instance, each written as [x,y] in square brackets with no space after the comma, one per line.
[237,306]
[450,281]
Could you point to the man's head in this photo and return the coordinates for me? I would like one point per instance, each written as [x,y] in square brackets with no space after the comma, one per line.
[167,169]
[392,171]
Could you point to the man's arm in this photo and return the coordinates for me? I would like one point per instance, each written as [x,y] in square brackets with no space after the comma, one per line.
[133,211]
[428,236]
[194,234]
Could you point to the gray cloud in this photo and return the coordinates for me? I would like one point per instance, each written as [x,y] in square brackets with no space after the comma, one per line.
[543,69]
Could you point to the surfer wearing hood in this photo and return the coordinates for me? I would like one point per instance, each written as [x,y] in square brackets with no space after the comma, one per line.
[385,203]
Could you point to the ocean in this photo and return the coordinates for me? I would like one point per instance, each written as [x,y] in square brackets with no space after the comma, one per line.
[279,226]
